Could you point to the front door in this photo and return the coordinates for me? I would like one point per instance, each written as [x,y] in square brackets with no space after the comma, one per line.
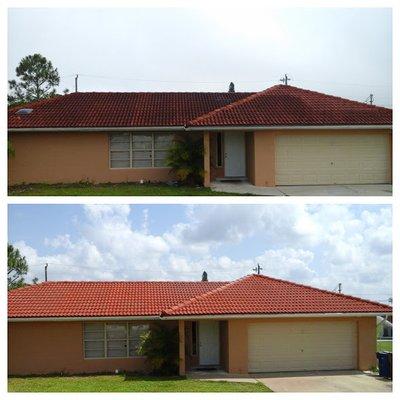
[235,160]
[209,343]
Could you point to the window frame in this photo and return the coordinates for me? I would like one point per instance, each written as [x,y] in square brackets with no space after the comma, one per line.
[194,349]
[219,153]
[105,340]
[131,150]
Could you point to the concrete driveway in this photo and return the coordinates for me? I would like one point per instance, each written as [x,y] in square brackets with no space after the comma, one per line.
[307,190]
[325,381]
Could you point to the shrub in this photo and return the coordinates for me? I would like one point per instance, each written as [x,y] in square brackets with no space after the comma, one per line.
[185,158]
[161,347]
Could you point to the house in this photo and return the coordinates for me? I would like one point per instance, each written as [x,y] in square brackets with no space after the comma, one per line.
[253,324]
[280,136]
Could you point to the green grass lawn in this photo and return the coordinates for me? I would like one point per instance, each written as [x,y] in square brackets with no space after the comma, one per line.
[384,345]
[127,383]
[109,189]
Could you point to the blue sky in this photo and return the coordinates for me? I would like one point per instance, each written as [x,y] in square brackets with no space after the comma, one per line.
[320,245]
[340,51]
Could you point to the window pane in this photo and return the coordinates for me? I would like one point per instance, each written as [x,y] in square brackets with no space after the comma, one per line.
[94,353]
[116,331]
[94,349]
[141,163]
[94,330]
[116,348]
[120,155]
[141,155]
[160,154]
[142,141]
[162,140]
[119,141]
[134,337]
[120,164]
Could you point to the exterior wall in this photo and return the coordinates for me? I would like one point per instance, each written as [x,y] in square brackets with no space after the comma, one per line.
[55,347]
[250,164]
[264,150]
[56,157]
[238,345]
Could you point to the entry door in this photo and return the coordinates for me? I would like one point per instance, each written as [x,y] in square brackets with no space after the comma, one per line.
[235,160]
[209,342]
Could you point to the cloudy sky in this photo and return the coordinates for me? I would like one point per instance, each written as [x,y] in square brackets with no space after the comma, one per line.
[319,245]
[345,52]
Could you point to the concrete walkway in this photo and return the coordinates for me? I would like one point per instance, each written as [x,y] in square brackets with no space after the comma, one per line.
[220,376]
[324,381]
[307,190]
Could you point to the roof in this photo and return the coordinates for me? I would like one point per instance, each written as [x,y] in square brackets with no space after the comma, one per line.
[91,109]
[101,299]
[259,294]
[252,294]
[280,105]
[284,105]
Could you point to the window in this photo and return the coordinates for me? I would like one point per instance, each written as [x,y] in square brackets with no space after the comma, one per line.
[219,155]
[112,340]
[194,338]
[139,150]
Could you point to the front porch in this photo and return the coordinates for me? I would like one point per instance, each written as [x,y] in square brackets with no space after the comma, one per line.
[203,346]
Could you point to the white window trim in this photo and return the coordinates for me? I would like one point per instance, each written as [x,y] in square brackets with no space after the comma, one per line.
[131,152]
[127,340]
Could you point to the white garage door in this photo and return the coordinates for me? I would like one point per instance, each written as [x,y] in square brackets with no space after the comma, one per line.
[302,346]
[329,159]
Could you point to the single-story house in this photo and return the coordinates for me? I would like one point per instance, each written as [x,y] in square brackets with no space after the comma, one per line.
[253,324]
[283,135]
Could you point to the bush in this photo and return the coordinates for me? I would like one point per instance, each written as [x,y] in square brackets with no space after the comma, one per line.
[185,158]
[161,347]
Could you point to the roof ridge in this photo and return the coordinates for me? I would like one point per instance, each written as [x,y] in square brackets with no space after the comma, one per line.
[204,295]
[229,106]
[320,290]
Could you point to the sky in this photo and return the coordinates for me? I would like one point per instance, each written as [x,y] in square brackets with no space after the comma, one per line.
[345,52]
[317,245]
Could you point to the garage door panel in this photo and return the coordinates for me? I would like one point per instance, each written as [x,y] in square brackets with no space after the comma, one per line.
[297,346]
[330,159]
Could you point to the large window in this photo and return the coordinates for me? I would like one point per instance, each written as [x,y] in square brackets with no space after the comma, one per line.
[112,340]
[139,150]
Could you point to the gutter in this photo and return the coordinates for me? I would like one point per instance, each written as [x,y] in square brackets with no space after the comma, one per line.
[70,319]
[198,317]
[195,128]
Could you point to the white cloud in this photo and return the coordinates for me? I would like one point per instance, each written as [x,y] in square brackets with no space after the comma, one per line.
[318,245]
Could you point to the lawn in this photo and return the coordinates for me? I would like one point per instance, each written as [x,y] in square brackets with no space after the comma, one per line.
[110,189]
[384,345]
[127,383]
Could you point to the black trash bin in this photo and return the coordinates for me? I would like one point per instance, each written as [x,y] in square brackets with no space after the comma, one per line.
[385,364]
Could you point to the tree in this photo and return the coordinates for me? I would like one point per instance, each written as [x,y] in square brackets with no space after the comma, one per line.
[185,158]
[37,80]
[17,268]
[161,347]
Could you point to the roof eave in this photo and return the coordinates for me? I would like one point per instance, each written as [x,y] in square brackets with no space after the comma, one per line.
[89,318]
[101,129]
[289,315]
[275,127]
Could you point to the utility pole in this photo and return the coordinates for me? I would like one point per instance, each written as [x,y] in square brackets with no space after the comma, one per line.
[285,79]
[45,272]
[76,83]
[257,269]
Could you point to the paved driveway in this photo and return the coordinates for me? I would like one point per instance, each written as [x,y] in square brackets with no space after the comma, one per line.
[327,381]
[309,190]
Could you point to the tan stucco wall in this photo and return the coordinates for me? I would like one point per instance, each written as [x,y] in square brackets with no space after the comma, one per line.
[238,346]
[264,150]
[57,157]
[54,347]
